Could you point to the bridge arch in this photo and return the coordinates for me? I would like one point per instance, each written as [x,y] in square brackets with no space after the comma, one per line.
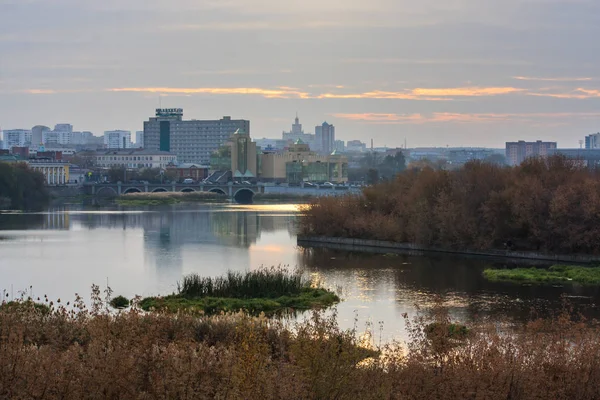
[244,196]
[218,191]
[187,190]
[132,190]
[105,191]
[159,190]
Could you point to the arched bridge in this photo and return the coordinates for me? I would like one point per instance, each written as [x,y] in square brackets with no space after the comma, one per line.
[242,194]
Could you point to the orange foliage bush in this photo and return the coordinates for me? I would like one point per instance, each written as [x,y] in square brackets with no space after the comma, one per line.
[550,205]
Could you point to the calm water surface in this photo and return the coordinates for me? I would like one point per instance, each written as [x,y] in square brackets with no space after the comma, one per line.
[146,251]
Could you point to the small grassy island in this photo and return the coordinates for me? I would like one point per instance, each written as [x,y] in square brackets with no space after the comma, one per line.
[555,274]
[268,290]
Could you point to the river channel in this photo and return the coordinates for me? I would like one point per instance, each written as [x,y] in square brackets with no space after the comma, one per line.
[145,251]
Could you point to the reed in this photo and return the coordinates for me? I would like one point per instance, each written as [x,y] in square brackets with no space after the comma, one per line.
[76,352]
[263,283]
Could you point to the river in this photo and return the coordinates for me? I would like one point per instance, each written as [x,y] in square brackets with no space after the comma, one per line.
[146,251]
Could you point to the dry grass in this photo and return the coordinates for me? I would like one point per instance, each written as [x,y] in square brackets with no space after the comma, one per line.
[93,354]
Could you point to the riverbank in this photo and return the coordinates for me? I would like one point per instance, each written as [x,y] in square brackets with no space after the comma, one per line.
[379,246]
[166,198]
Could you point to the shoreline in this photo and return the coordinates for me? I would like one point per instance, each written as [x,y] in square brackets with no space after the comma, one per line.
[381,246]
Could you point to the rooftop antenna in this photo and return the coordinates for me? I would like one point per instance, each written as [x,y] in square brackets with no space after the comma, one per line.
[159,101]
[581,144]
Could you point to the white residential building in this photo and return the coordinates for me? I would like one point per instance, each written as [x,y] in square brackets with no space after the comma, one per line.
[50,138]
[117,139]
[64,133]
[16,138]
[139,139]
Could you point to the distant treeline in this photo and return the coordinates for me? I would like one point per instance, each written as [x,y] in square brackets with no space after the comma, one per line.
[550,205]
[21,188]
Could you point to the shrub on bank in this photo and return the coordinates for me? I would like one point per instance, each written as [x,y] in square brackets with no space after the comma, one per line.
[119,302]
[549,205]
[90,353]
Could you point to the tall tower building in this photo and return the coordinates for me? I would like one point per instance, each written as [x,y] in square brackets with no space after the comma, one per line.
[297,133]
[325,138]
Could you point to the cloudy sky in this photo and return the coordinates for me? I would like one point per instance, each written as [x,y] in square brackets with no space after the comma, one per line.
[453,72]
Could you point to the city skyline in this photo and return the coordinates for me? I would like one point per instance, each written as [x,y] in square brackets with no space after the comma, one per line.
[461,73]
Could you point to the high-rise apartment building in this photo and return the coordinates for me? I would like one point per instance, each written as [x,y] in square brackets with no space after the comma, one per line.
[193,141]
[15,138]
[325,138]
[50,138]
[64,133]
[592,141]
[117,139]
[517,152]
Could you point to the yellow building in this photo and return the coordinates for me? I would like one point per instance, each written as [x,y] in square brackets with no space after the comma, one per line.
[300,164]
[243,156]
[55,172]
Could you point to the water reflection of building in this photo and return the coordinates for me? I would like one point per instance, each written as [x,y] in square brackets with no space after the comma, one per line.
[56,219]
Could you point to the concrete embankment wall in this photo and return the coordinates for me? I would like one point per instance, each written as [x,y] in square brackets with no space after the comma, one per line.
[293,190]
[379,246]
[65,191]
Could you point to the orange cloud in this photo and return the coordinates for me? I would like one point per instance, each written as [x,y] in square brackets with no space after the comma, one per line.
[466,91]
[579,93]
[291,92]
[282,92]
[40,91]
[382,118]
[378,118]
[534,78]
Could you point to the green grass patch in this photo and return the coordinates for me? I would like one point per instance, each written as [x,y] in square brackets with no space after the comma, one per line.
[555,274]
[309,298]
[270,291]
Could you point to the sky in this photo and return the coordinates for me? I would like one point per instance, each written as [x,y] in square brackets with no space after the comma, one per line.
[436,73]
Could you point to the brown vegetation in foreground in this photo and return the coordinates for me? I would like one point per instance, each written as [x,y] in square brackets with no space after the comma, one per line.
[550,205]
[91,354]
